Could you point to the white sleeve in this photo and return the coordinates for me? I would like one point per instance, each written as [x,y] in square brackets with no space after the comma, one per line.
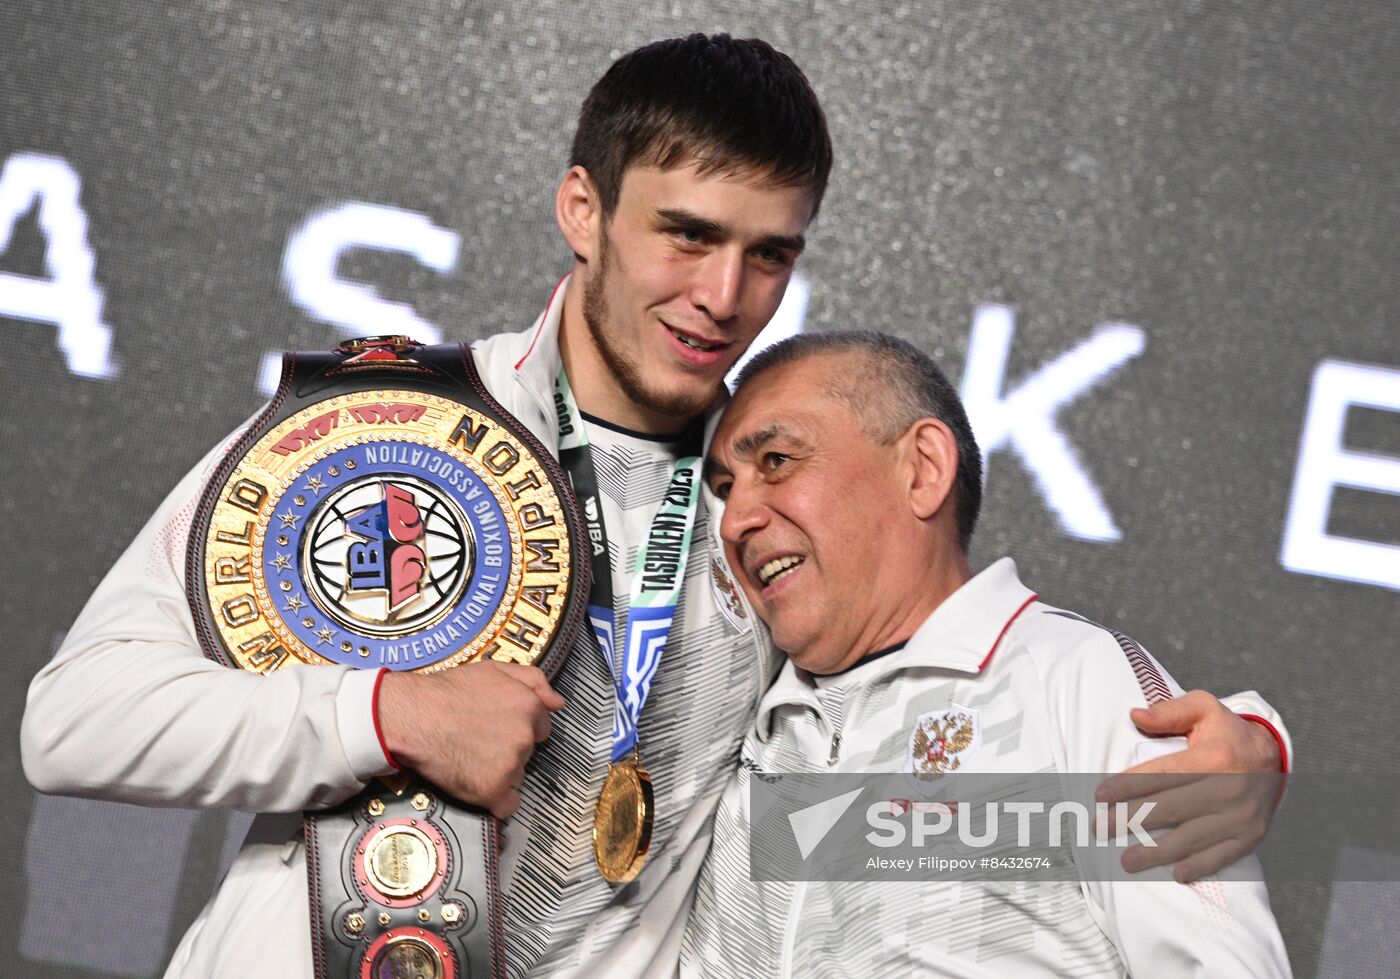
[1212,927]
[131,710]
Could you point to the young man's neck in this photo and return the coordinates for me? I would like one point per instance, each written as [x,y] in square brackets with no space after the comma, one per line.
[596,390]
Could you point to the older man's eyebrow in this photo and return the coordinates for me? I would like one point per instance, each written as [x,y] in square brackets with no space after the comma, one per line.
[744,446]
[688,220]
[747,445]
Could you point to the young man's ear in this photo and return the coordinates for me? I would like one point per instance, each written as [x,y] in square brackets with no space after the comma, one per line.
[933,454]
[579,212]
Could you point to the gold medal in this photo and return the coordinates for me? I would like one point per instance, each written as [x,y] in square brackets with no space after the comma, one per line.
[622,823]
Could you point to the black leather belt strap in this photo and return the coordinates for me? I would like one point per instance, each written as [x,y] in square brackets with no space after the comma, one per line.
[356,923]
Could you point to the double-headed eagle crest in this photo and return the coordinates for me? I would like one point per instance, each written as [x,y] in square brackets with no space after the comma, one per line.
[938,741]
[727,595]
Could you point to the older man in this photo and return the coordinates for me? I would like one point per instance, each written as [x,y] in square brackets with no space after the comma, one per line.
[852,484]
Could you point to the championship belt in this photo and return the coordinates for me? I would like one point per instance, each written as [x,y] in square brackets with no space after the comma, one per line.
[384,511]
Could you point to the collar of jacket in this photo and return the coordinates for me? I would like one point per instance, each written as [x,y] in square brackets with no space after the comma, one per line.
[962,635]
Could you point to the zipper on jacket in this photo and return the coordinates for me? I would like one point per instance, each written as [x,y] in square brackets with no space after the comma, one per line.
[799,895]
[835,754]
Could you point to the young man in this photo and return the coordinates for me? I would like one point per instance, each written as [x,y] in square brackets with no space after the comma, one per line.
[852,483]
[697,167]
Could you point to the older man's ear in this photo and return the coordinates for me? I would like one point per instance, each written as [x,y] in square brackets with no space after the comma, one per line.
[932,460]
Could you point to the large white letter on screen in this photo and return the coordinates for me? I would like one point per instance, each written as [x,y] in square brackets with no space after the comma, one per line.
[1323,463]
[1025,415]
[355,309]
[69,298]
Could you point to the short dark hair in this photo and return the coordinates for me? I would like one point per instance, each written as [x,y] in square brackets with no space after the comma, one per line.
[890,385]
[724,103]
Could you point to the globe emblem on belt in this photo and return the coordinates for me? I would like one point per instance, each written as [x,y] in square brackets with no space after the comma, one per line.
[384,528]
[390,550]
[387,556]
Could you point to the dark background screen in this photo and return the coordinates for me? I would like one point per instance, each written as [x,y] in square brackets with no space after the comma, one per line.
[1157,244]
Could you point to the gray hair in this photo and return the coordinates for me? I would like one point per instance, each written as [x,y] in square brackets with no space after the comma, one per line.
[889,385]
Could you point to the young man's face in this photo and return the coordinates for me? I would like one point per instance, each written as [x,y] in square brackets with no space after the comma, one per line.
[691,267]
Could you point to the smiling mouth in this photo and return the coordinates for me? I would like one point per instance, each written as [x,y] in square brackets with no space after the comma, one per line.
[779,567]
[693,343]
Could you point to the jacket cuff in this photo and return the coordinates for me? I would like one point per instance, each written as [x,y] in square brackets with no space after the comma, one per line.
[357,718]
[1252,707]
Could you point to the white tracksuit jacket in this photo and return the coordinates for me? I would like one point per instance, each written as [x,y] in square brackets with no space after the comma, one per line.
[1050,694]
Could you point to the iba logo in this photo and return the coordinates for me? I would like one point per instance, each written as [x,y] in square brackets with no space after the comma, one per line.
[385,528]
[387,555]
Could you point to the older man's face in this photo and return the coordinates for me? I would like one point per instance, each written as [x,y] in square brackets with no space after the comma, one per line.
[808,501]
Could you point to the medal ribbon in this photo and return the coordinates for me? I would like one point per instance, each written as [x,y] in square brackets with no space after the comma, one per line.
[656,578]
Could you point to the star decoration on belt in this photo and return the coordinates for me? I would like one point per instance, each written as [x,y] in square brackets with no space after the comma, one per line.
[282,563]
[324,635]
[295,604]
[289,519]
[315,484]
